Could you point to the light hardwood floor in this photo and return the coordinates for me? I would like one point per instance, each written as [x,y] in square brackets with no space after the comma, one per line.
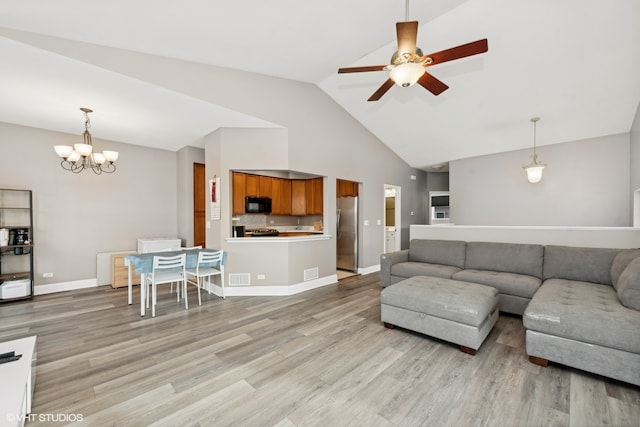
[317,358]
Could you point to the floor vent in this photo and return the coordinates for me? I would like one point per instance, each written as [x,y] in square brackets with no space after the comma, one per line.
[239,279]
[311,273]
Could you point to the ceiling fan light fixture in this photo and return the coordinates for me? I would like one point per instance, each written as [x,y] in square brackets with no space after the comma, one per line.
[406,74]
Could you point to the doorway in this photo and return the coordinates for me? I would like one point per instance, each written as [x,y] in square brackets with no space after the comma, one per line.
[199,205]
[392,218]
[346,228]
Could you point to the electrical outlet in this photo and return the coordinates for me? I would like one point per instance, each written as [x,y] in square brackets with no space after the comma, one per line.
[47,275]
[261,276]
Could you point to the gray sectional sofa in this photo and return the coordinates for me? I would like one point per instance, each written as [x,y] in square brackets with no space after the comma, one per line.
[580,306]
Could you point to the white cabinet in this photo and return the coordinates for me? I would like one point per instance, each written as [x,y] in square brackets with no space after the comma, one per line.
[158,244]
[18,381]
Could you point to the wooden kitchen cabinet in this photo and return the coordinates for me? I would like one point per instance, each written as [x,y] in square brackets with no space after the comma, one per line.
[276,196]
[346,188]
[264,186]
[298,197]
[252,188]
[288,196]
[280,196]
[239,184]
[285,201]
[314,196]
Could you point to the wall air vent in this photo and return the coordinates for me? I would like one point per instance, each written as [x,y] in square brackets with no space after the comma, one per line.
[239,279]
[311,273]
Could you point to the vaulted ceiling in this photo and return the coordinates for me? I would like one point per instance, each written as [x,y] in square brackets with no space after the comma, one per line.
[574,63]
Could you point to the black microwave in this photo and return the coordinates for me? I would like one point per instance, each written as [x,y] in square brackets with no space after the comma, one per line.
[257,205]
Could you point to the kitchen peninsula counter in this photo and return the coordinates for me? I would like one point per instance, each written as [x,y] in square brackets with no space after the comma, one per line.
[289,237]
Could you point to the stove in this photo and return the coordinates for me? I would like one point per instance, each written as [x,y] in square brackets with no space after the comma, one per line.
[264,232]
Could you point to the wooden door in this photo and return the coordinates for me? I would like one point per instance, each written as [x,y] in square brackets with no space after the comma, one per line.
[200,192]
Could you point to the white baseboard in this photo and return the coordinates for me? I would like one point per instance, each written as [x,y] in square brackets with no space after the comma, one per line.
[276,290]
[371,269]
[270,290]
[65,286]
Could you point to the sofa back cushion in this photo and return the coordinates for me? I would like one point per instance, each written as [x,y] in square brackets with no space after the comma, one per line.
[447,252]
[506,257]
[628,287]
[620,262]
[575,263]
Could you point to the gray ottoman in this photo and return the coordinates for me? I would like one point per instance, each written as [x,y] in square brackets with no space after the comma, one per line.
[459,312]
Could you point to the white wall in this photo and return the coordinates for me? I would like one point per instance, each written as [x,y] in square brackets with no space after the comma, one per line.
[77,216]
[634,160]
[585,183]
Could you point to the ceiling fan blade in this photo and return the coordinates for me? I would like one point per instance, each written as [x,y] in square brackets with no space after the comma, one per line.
[381,90]
[462,51]
[432,84]
[407,33]
[361,69]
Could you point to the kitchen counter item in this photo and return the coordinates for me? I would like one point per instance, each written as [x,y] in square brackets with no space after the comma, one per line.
[263,232]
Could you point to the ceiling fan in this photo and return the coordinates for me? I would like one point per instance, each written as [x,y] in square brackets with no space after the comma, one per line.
[408,64]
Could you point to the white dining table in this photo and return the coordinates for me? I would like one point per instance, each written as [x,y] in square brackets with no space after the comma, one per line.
[143,264]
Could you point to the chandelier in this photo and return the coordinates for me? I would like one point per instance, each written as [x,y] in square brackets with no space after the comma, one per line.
[81,156]
[534,170]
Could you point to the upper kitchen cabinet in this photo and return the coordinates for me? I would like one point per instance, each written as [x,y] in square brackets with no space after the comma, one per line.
[280,196]
[257,185]
[298,197]
[314,196]
[346,188]
[264,186]
[239,184]
[288,196]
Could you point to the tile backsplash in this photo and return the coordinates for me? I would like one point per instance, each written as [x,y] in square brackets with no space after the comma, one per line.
[251,221]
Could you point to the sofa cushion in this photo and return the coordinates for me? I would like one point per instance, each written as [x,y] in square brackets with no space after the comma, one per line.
[620,262]
[582,264]
[410,269]
[507,257]
[506,283]
[447,252]
[629,285]
[584,312]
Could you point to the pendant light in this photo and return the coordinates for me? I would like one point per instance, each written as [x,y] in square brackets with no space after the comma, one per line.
[534,170]
[81,157]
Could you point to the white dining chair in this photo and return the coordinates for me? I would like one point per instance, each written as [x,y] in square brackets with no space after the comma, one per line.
[167,269]
[177,287]
[210,263]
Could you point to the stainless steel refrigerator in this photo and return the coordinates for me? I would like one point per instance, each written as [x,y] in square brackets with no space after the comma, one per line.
[347,233]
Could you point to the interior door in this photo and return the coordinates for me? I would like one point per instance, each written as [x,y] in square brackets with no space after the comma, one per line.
[199,205]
